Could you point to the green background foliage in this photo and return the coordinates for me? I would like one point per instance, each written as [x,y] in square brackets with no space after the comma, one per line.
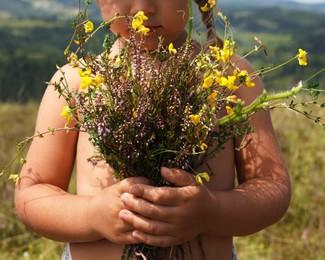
[32,43]
[299,235]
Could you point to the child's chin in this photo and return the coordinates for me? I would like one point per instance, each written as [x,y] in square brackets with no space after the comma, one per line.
[151,42]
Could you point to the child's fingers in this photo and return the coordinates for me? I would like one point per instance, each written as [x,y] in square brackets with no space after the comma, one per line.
[163,196]
[147,229]
[125,184]
[154,240]
[145,208]
[178,177]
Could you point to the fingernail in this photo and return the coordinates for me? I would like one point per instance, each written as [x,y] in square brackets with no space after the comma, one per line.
[166,170]
[125,197]
[123,213]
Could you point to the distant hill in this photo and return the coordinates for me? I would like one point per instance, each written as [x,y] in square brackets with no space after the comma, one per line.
[41,9]
[288,4]
[34,34]
[62,9]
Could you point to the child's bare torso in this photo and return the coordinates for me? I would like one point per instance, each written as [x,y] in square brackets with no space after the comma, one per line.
[92,179]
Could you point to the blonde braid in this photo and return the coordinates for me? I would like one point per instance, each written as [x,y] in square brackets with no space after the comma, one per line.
[208,20]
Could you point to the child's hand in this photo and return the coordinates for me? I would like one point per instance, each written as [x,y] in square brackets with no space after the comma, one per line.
[167,216]
[103,213]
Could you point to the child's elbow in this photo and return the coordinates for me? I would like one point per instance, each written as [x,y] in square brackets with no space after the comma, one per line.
[284,198]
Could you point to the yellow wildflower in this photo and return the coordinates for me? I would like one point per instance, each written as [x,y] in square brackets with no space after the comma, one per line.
[199,177]
[244,77]
[203,146]
[216,52]
[212,3]
[85,82]
[171,48]
[66,113]
[195,119]
[140,16]
[143,30]
[208,6]
[228,50]
[228,82]
[134,113]
[249,83]
[98,80]
[229,110]
[242,74]
[302,57]
[212,98]
[14,177]
[84,72]
[73,59]
[205,8]
[88,26]
[208,81]
[137,23]
[232,99]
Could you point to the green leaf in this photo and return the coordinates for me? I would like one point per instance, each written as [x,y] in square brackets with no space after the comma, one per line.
[200,176]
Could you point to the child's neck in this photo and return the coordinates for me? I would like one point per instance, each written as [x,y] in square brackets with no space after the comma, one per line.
[120,43]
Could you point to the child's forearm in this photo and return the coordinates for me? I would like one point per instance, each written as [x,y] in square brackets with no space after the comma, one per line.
[251,207]
[55,214]
[168,216]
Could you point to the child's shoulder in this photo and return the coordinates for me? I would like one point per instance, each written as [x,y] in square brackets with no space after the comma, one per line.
[245,93]
[67,75]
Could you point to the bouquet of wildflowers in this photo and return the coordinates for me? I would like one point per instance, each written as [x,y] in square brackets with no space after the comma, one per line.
[144,110]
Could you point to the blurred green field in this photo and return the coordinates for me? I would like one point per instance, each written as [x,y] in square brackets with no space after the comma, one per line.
[299,235]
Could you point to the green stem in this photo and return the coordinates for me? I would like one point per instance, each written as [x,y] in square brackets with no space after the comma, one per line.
[316,74]
[279,66]
[259,103]
[22,145]
[190,21]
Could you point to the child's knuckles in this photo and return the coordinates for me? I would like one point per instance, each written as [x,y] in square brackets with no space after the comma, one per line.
[154,195]
[151,228]
[150,211]
[157,241]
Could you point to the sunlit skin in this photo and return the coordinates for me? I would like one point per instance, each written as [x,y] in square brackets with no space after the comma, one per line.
[105,213]
[166,18]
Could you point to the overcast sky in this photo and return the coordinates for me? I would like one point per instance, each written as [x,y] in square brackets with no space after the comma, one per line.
[310,1]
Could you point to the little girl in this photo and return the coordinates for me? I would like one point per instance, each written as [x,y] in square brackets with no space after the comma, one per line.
[106,214]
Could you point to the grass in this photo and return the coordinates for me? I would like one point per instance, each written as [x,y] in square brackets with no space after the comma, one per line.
[299,235]
[18,242]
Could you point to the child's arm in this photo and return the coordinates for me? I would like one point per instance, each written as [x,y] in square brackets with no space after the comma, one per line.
[174,215]
[41,197]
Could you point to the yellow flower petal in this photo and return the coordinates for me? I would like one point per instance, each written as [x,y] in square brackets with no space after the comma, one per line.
[229,110]
[228,82]
[249,83]
[203,146]
[85,82]
[212,97]
[195,119]
[171,48]
[302,57]
[88,27]
[208,81]
[134,113]
[143,30]
[232,99]
[205,8]
[137,23]
[66,113]
[200,176]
